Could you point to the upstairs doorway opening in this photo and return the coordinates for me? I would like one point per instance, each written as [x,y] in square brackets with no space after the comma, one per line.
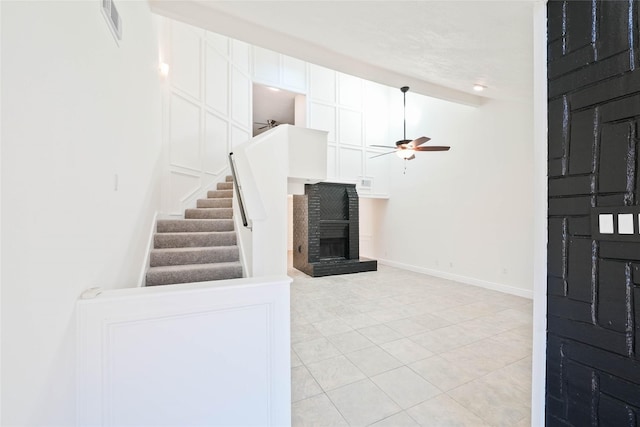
[274,106]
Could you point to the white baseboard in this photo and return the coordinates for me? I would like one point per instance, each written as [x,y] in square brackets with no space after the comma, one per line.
[147,258]
[462,279]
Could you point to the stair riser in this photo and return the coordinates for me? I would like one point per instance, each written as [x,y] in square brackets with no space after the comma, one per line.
[192,240]
[228,178]
[214,203]
[196,275]
[202,256]
[217,194]
[224,186]
[205,213]
[194,225]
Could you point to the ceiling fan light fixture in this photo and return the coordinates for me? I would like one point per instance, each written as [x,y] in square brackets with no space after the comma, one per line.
[405,154]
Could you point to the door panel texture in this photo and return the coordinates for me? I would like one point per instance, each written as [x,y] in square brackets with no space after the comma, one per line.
[593,284]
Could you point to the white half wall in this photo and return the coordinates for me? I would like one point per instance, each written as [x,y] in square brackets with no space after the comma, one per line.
[196,354]
[465,214]
[81,148]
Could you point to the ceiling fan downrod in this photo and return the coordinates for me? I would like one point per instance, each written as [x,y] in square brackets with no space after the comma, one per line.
[404,90]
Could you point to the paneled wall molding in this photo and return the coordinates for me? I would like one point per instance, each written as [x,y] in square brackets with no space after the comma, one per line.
[208,111]
[124,379]
[276,70]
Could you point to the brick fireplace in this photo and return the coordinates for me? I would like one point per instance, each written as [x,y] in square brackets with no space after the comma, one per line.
[326,231]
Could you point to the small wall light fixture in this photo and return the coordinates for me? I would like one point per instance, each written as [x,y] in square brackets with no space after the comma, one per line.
[478,87]
[164,69]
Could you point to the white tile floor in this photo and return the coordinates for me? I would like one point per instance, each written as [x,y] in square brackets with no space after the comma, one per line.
[396,348]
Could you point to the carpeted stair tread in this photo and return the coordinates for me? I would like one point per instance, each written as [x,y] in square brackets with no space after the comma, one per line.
[173,274]
[208,213]
[215,194]
[196,255]
[193,225]
[201,247]
[214,203]
[194,239]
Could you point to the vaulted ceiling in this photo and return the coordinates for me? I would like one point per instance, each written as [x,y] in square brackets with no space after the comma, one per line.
[439,48]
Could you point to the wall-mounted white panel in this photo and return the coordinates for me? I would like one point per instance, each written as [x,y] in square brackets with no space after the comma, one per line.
[192,355]
[376,114]
[350,89]
[238,136]
[266,66]
[350,127]
[322,84]
[217,81]
[294,74]
[181,187]
[185,59]
[377,170]
[350,164]
[218,42]
[215,144]
[240,55]
[240,97]
[323,117]
[184,134]
[332,162]
[138,378]
[606,223]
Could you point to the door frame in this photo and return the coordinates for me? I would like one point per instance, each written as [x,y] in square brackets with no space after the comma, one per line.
[540,193]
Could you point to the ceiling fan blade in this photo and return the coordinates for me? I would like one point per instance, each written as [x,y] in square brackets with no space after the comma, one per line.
[383,146]
[432,148]
[383,154]
[419,141]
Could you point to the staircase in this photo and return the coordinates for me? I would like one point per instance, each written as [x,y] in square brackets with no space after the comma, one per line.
[199,248]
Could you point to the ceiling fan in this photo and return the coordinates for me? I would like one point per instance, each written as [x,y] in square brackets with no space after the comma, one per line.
[406,148]
[269,124]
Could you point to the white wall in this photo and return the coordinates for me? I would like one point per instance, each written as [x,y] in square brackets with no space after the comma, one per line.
[352,110]
[207,110]
[466,214]
[167,356]
[77,110]
[538,368]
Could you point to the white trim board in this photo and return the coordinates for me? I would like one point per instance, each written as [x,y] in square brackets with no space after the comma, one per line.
[150,245]
[462,279]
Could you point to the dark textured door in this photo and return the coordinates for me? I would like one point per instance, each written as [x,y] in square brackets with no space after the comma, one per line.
[593,303]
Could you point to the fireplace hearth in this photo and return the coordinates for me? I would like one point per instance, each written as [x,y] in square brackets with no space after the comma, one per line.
[326,231]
